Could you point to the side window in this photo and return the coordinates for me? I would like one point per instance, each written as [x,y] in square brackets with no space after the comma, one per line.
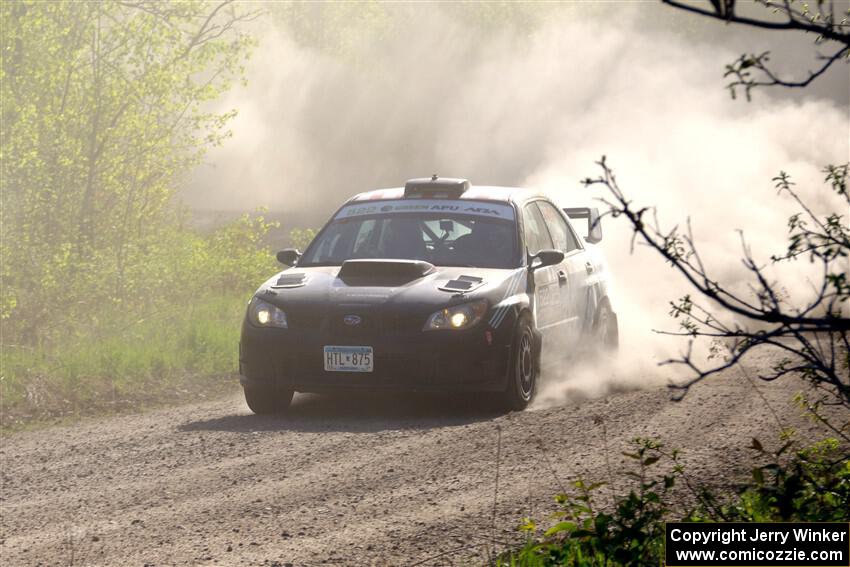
[561,234]
[324,252]
[335,243]
[536,236]
[572,238]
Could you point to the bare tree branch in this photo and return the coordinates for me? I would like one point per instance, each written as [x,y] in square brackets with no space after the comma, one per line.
[821,22]
[814,337]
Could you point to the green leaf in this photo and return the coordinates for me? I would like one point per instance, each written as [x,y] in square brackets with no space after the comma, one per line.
[651,461]
[560,527]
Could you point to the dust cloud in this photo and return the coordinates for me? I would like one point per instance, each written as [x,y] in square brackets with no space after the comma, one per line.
[432,89]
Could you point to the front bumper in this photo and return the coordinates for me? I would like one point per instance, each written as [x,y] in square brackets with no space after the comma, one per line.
[433,361]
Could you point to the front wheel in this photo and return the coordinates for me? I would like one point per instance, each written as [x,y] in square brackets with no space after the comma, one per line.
[267,400]
[522,382]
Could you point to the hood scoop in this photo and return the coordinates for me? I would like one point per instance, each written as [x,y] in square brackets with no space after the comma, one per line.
[463,284]
[290,280]
[385,269]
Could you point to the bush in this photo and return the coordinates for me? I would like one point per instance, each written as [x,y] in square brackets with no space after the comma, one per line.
[175,318]
[809,484]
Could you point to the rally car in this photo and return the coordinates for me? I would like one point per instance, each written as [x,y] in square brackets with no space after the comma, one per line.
[436,286]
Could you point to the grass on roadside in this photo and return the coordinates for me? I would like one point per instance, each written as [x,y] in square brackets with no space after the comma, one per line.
[119,362]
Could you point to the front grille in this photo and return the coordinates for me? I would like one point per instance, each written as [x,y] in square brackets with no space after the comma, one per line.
[372,323]
[304,321]
[367,326]
[399,323]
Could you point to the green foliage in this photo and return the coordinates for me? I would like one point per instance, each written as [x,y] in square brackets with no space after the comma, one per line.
[339,29]
[178,316]
[301,238]
[104,109]
[824,239]
[197,337]
[106,289]
[236,257]
[349,31]
[126,361]
[630,534]
[809,484]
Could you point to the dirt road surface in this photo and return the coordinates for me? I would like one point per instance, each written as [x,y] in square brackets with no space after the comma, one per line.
[355,480]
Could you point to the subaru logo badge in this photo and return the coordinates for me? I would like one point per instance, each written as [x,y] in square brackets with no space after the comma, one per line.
[351,320]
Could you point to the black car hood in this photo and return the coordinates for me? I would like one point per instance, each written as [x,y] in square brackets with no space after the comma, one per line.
[322,287]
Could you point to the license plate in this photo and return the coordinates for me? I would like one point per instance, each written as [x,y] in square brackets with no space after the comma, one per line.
[348,359]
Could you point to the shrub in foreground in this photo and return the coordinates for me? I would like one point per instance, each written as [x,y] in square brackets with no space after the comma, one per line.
[794,484]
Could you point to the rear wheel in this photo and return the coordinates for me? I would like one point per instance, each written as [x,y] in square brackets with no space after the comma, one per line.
[605,327]
[267,400]
[522,382]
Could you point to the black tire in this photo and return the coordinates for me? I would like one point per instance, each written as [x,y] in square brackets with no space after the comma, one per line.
[606,330]
[525,367]
[265,401]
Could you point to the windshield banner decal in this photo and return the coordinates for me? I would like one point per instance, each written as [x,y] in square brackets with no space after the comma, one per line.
[454,207]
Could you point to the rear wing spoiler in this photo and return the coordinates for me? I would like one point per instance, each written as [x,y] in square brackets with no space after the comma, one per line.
[590,218]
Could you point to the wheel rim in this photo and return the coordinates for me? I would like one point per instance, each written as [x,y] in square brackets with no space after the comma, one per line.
[525,365]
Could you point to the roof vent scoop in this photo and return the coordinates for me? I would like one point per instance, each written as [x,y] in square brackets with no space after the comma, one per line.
[435,186]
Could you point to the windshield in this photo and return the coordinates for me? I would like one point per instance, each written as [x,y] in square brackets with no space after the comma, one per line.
[444,233]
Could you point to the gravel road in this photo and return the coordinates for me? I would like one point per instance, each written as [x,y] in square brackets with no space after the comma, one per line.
[356,480]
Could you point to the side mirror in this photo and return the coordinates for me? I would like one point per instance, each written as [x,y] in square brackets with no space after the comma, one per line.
[590,215]
[289,256]
[546,258]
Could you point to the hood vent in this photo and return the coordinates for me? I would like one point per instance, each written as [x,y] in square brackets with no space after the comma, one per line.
[463,284]
[290,280]
[400,269]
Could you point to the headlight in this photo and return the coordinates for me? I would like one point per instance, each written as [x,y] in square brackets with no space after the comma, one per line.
[264,314]
[457,317]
